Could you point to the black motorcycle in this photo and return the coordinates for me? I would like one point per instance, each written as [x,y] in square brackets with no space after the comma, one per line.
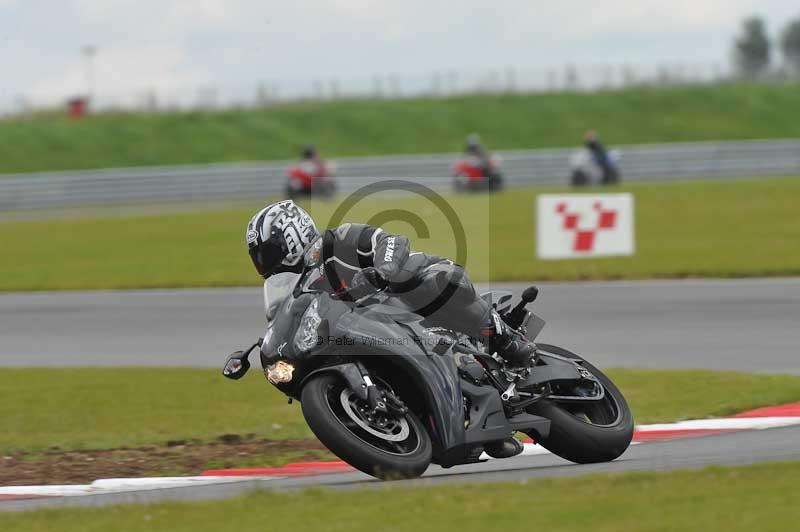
[389,393]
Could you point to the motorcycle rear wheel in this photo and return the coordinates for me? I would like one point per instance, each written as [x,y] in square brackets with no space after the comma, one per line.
[586,432]
[388,449]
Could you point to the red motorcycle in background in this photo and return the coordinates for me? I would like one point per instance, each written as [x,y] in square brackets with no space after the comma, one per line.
[310,178]
[473,174]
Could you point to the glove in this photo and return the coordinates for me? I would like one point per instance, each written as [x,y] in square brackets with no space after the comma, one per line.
[365,282]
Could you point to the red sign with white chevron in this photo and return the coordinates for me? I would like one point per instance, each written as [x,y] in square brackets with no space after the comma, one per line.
[584,225]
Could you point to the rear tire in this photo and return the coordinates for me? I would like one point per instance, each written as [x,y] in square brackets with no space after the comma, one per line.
[611,177]
[577,438]
[327,418]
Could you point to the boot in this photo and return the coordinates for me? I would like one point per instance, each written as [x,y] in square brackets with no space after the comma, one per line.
[504,448]
[510,343]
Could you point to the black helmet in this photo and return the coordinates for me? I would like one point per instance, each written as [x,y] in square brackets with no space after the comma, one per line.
[473,143]
[309,151]
[276,237]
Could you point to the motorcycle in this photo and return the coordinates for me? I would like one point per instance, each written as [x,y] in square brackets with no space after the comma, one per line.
[585,171]
[310,179]
[471,175]
[390,394]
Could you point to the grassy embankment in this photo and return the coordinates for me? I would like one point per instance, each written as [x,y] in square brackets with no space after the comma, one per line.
[378,127]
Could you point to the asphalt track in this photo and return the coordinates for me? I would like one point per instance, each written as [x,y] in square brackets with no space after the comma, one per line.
[738,448]
[746,324]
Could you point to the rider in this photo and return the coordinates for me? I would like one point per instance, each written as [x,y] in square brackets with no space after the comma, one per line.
[599,152]
[360,258]
[474,148]
[311,162]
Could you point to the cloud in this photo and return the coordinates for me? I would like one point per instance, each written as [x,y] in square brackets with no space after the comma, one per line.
[186,13]
[123,73]
[167,44]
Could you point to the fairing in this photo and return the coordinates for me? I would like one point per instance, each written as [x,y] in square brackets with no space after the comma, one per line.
[386,328]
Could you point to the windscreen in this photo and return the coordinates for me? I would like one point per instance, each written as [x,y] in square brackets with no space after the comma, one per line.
[276,289]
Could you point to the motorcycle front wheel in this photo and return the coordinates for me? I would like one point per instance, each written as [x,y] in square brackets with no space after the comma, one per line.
[586,432]
[496,182]
[385,446]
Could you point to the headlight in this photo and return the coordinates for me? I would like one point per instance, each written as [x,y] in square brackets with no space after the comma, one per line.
[306,336]
[279,372]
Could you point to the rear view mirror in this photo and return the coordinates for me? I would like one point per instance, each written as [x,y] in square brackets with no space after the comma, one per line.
[236,365]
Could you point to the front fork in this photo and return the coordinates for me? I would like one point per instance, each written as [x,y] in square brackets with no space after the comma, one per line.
[358,379]
[380,400]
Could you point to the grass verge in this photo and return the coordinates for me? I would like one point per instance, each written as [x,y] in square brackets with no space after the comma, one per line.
[377,127]
[96,408]
[177,458]
[760,497]
[691,229]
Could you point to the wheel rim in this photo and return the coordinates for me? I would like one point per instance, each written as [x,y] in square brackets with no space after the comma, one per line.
[386,433]
[603,413]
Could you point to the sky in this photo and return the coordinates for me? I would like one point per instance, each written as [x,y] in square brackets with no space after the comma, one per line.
[189,46]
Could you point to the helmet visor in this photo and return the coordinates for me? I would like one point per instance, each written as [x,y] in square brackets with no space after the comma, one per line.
[268,256]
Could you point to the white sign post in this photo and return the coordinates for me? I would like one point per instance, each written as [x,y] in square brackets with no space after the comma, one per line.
[584,225]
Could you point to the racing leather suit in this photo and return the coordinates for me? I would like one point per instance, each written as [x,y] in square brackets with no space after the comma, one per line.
[435,287]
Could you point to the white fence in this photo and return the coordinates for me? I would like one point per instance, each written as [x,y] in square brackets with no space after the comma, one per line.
[439,84]
[258,179]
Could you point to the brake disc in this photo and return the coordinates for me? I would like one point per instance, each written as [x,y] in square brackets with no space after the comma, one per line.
[345,398]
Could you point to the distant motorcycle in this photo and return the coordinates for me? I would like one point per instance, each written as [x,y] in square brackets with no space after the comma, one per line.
[389,394]
[310,178]
[585,170]
[471,175]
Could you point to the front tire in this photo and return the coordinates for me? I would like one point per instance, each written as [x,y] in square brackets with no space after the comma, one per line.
[400,448]
[579,178]
[458,183]
[587,432]
[495,182]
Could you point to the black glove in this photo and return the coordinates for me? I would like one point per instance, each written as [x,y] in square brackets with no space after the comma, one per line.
[365,282]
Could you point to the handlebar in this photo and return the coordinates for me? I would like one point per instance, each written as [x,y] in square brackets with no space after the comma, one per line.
[345,294]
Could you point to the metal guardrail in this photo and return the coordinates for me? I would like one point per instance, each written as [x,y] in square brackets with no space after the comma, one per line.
[247,180]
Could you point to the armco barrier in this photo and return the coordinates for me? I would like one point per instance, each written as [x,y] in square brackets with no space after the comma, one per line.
[246,180]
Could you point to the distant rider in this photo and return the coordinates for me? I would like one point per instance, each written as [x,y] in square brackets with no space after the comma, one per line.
[480,157]
[357,259]
[311,163]
[599,153]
